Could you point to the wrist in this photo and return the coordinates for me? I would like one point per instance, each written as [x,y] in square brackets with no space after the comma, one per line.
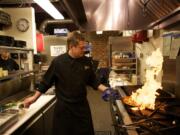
[36,96]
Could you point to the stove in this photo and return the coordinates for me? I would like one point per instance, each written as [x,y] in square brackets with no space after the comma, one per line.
[163,120]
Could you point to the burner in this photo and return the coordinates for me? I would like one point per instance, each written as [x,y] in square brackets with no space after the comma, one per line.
[163,120]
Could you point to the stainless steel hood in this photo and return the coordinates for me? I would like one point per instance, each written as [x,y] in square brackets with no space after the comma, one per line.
[20,1]
[172,18]
[113,15]
[92,15]
[119,14]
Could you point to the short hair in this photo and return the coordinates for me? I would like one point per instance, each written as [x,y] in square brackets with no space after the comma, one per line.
[74,37]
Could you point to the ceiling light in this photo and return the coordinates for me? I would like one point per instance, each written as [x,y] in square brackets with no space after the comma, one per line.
[99,32]
[49,8]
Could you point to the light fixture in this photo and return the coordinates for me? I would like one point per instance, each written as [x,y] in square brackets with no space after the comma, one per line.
[99,32]
[49,8]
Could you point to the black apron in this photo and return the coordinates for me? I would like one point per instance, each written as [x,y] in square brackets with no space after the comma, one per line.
[72,119]
[72,114]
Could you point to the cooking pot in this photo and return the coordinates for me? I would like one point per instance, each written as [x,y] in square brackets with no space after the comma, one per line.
[19,43]
[6,40]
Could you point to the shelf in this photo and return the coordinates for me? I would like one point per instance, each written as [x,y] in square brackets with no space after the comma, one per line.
[123,69]
[125,51]
[124,64]
[127,58]
[16,49]
[15,74]
[124,60]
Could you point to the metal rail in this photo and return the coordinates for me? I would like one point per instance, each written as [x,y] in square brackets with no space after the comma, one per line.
[125,116]
[20,73]
[16,48]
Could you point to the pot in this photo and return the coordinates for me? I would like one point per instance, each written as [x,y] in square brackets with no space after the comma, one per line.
[19,43]
[6,40]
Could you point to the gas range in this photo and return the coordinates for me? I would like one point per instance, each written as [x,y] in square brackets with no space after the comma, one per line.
[163,120]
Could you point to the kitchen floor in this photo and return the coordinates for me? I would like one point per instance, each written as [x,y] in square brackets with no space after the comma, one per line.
[101,113]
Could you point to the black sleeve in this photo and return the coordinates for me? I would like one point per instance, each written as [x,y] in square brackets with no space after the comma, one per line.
[92,80]
[48,79]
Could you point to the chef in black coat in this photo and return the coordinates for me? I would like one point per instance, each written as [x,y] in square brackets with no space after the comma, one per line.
[71,73]
[6,62]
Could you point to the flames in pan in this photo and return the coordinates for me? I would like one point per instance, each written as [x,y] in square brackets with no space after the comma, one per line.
[145,97]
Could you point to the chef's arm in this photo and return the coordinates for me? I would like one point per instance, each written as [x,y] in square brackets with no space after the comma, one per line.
[28,101]
[102,87]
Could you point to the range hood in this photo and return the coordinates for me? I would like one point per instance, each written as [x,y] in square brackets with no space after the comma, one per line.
[171,20]
[120,14]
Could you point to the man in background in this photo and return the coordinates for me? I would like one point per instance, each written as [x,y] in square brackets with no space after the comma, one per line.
[6,62]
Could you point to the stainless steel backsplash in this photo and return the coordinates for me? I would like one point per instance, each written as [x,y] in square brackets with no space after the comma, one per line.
[13,86]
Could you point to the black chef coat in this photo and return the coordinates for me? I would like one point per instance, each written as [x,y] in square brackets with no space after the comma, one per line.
[71,75]
[8,64]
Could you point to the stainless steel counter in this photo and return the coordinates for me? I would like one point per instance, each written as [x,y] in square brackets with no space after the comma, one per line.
[26,114]
[125,116]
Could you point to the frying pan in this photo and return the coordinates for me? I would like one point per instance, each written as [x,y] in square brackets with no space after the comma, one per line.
[128,101]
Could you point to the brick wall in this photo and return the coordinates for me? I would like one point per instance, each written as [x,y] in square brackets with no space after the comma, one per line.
[100,46]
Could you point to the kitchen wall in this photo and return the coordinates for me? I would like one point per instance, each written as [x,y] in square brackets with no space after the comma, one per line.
[99,50]
[100,46]
[52,41]
[29,36]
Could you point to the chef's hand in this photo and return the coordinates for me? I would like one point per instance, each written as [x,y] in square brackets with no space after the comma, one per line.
[28,101]
[110,94]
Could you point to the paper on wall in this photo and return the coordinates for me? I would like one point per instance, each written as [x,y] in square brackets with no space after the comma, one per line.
[58,50]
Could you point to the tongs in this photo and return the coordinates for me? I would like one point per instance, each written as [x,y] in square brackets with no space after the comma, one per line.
[129,126]
[133,125]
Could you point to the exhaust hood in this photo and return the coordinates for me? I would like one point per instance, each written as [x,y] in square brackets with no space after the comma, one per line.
[98,15]
[167,21]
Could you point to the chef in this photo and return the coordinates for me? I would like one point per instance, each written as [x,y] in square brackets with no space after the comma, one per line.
[6,62]
[71,72]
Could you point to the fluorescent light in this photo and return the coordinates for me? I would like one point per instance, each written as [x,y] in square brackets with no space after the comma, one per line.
[49,8]
[99,32]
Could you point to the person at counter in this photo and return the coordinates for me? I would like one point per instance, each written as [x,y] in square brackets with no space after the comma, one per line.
[71,72]
[6,62]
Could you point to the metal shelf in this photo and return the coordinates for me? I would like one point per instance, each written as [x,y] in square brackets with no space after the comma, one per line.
[15,74]
[123,69]
[128,58]
[16,49]
[130,62]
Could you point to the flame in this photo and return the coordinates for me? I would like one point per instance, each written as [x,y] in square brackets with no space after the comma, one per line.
[145,97]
